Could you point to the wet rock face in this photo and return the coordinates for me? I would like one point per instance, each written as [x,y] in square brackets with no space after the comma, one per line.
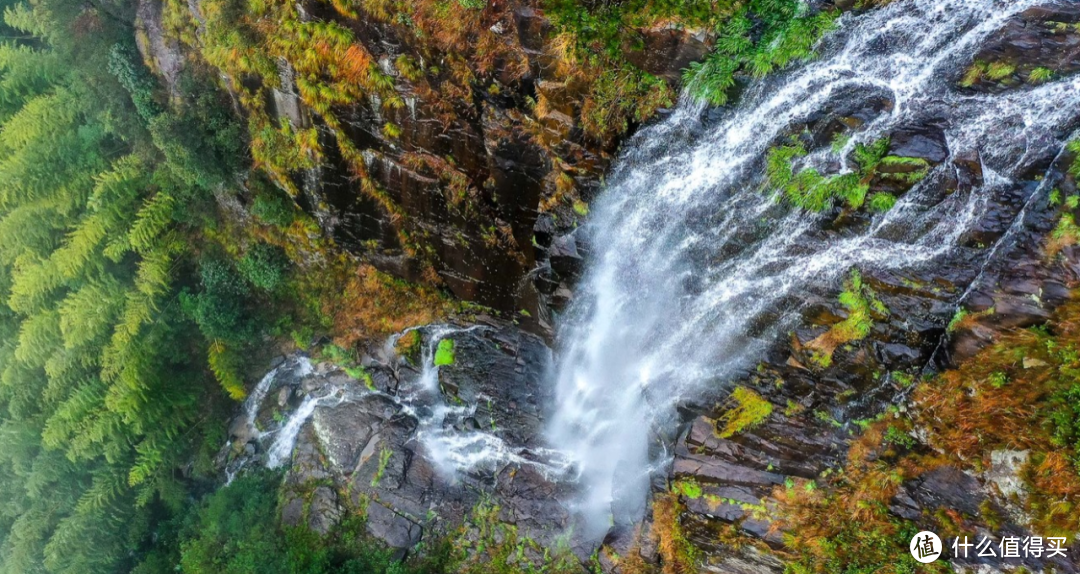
[162,55]
[372,451]
[1041,38]
[815,408]
[666,50]
[417,454]
[478,150]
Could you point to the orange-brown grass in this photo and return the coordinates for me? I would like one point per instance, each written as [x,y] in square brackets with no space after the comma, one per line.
[372,305]
[846,526]
[1065,234]
[1007,396]
[1053,497]
[676,553]
[992,401]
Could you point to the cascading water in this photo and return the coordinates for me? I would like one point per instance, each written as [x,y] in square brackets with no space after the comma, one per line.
[444,429]
[696,268]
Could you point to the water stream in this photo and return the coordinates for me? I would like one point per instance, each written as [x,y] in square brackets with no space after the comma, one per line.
[696,269]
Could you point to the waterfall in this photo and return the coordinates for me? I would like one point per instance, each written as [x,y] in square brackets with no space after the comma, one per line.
[696,270]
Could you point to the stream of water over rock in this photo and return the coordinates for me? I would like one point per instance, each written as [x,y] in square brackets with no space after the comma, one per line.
[695,268]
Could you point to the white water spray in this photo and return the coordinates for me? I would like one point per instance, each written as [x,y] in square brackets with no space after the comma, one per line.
[695,270]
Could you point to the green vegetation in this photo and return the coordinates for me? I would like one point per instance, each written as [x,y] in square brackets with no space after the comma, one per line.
[384,461]
[998,72]
[444,353]
[882,201]
[236,531]
[677,553]
[861,304]
[758,37]
[956,320]
[485,544]
[131,302]
[687,487]
[1040,75]
[746,410]
[808,189]
[1065,234]
[106,386]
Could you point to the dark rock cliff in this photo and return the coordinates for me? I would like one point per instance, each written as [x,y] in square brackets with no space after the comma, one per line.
[494,186]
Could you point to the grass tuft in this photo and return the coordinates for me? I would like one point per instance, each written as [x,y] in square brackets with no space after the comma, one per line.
[747,409]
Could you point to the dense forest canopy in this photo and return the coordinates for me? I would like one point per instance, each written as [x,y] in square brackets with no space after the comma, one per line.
[105,388]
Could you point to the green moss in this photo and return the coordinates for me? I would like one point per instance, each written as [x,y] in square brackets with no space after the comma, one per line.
[360,374]
[896,436]
[444,353]
[957,317]
[861,303]
[747,410]
[687,487]
[840,141]
[581,208]
[903,379]
[1066,232]
[869,156]
[1000,70]
[858,324]
[1040,75]
[882,201]
[793,408]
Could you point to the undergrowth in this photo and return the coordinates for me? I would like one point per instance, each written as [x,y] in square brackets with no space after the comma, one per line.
[1021,393]
[809,189]
[758,37]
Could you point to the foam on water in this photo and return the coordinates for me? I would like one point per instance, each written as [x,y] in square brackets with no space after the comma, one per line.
[692,261]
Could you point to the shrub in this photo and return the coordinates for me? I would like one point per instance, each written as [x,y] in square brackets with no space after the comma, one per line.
[236,530]
[218,308]
[233,530]
[274,208]
[264,266]
[809,190]
[761,36]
